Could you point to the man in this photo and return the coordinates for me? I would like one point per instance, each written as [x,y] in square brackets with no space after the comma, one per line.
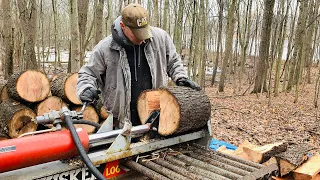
[134,58]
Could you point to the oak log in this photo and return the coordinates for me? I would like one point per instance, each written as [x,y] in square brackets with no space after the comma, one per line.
[28,86]
[64,86]
[181,109]
[16,119]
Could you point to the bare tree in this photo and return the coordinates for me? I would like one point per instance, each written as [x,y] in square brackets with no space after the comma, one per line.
[28,21]
[74,30]
[7,38]
[82,11]
[221,4]
[98,19]
[262,67]
[228,44]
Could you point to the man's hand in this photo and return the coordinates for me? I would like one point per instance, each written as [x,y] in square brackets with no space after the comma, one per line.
[188,83]
[89,95]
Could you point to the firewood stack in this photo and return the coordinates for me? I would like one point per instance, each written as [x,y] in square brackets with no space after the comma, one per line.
[29,93]
[295,161]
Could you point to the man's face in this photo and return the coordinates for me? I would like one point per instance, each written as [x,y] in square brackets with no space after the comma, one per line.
[129,34]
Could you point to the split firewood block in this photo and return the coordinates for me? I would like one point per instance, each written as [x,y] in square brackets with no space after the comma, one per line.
[49,104]
[294,156]
[89,114]
[309,169]
[101,110]
[239,152]
[28,86]
[224,149]
[16,119]
[261,154]
[64,86]
[181,109]
[4,93]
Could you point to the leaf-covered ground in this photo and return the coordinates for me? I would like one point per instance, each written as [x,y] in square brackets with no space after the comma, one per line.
[261,120]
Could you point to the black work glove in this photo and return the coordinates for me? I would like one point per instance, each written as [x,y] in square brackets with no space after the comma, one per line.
[188,83]
[89,95]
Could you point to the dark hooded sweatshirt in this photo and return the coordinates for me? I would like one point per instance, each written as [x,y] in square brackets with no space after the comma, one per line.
[139,68]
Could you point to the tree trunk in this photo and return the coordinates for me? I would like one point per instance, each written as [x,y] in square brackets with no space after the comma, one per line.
[74,31]
[56,40]
[178,114]
[8,38]
[98,21]
[64,86]
[216,64]
[244,41]
[228,44]
[28,20]
[298,45]
[177,28]
[16,119]
[262,67]
[156,13]
[165,15]
[28,86]
[282,32]
[82,10]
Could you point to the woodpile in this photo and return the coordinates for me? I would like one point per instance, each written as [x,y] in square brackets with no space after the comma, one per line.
[29,93]
[181,109]
[295,161]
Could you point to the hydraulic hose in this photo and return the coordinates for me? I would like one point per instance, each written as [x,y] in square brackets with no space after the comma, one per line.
[81,150]
[97,125]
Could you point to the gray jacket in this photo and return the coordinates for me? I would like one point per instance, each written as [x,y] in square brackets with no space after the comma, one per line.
[108,70]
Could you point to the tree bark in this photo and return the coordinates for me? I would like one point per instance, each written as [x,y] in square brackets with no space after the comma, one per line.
[8,38]
[98,21]
[228,44]
[216,64]
[262,67]
[28,21]
[74,33]
[82,10]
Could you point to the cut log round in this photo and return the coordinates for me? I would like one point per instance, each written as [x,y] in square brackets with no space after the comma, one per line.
[101,110]
[16,119]
[89,114]
[30,86]
[4,93]
[49,104]
[64,86]
[181,109]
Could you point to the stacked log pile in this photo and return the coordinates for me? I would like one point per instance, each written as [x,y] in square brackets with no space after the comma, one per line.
[295,161]
[29,93]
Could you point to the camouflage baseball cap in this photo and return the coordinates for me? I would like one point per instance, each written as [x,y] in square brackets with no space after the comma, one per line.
[137,19]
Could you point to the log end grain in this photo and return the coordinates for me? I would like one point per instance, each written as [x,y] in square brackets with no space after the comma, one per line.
[89,114]
[181,109]
[33,86]
[49,104]
[21,123]
[70,89]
